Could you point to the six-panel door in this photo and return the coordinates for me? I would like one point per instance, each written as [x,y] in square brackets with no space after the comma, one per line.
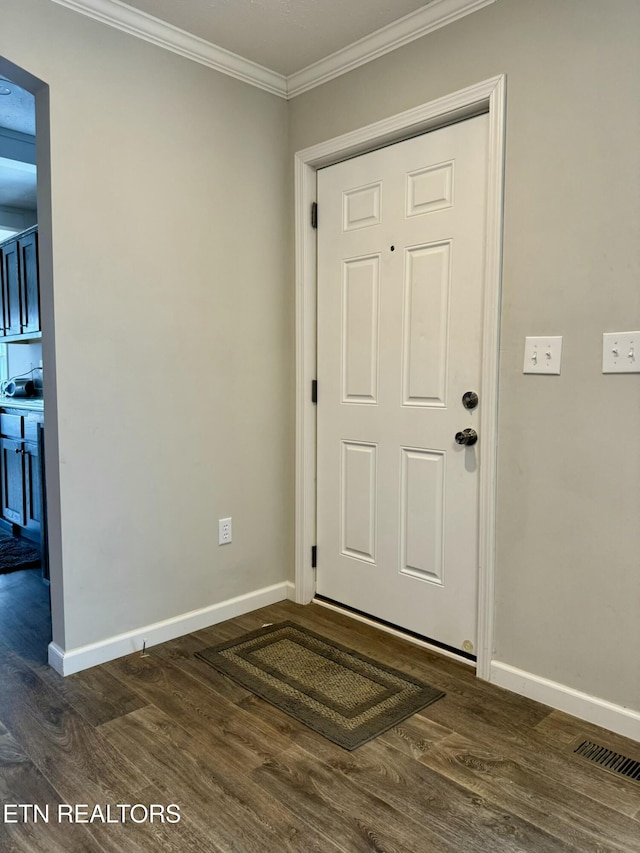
[401,241]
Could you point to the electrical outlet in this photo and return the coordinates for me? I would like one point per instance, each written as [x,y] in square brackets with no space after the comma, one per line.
[224,531]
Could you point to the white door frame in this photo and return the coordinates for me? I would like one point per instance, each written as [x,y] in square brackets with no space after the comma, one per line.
[486,97]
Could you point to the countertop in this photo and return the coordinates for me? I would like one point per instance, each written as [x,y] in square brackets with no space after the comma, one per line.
[32,403]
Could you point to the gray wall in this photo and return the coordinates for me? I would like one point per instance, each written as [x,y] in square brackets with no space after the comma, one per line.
[568,537]
[168,206]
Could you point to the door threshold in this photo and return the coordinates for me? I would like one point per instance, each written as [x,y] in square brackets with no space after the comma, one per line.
[396,631]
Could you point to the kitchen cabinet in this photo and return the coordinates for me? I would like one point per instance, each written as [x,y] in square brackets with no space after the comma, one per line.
[14,507]
[20,287]
[21,471]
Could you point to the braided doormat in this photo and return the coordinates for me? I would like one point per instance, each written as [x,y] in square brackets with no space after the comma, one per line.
[341,694]
[17,553]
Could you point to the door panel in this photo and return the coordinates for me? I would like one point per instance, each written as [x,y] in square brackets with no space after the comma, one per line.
[361,207]
[421,514]
[33,482]
[358,488]
[426,320]
[14,507]
[30,286]
[361,278]
[11,289]
[400,298]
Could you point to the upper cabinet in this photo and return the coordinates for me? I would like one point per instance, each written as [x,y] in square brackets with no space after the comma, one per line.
[20,291]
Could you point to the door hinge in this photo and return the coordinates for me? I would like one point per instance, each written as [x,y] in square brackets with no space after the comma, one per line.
[314,214]
[314,390]
[314,556]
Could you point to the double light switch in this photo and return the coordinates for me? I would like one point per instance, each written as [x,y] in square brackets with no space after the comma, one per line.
[621,352]
[542,355]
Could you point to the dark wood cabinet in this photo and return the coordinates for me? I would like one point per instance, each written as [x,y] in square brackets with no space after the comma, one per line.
[14,503]
[29,283]
[33,475]
[10,289]
[20,290]
[21,471]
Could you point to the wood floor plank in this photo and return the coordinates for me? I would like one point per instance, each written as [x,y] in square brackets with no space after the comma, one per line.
[238,814]
[359,822]
[568,731]
[94,693]
[76,759]
[22,783]
[181,653]
[415,736]
[533,751]
[451,810]
[172,838]
[558,808]
[217,723]
[26,629]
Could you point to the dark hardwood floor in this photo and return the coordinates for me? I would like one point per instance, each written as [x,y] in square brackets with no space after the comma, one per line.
[481,770]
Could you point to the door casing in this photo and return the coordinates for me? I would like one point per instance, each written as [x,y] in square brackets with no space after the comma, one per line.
[488,97]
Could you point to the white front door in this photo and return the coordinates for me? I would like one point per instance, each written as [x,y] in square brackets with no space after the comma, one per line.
[401,242]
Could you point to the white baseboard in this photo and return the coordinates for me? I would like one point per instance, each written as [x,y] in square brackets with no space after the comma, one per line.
[73,660]
[291,591]
[600,712]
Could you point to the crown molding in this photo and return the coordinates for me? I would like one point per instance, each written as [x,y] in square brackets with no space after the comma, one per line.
[117,14]
[413,26]
[133,21]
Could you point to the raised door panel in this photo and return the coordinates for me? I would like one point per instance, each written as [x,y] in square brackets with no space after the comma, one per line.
[430,189]
[29,284]
[426,319]
[5,256]
[11,290]
[422,481]
[358,501]
[361,207]
[33,481]
[14,507]
[361,282]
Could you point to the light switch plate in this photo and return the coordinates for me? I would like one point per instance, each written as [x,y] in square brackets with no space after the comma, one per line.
[542,355]
[621,352]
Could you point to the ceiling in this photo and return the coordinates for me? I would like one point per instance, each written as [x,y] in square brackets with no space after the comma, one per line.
[282,35]
[17,185]
[17,178]
[17,109]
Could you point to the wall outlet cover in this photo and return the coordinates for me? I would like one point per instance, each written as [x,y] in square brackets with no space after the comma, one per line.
[225,532]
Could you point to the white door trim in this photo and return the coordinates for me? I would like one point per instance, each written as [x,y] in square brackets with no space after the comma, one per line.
[486,97]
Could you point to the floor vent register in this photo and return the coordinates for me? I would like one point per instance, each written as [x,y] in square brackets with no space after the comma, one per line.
[615,762]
